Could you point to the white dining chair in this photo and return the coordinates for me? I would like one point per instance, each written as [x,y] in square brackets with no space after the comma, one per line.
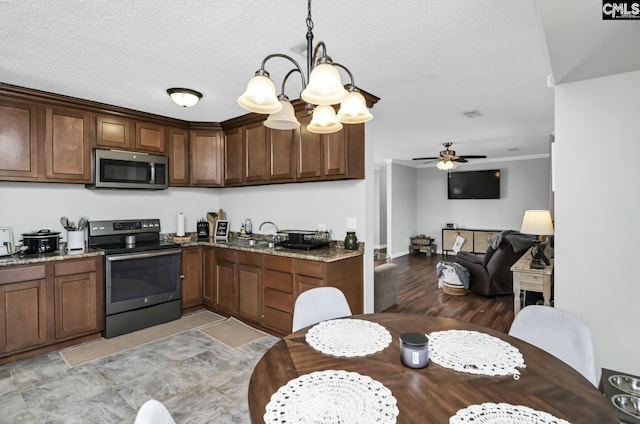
[319,304]
[560,333]
[153,412]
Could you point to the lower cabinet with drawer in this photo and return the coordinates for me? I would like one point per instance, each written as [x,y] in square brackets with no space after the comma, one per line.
[47,306]
[262,288]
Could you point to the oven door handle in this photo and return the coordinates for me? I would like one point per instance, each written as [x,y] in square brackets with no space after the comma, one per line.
[143,255]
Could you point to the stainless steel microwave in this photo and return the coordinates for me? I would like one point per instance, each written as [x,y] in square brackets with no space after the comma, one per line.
[130,170]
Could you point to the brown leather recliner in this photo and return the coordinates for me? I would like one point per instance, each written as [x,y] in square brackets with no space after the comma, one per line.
[489,273]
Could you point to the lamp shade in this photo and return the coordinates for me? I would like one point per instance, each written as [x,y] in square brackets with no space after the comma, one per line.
[537,222]
[260,96]
[447,165]
[184,97]
[325,87]
[353,109]
[283,120]
[324,120]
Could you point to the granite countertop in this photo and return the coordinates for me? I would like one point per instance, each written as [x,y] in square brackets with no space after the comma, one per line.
[57,255]
[334,252]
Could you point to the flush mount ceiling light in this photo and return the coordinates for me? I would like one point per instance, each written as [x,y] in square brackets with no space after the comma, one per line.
[323,90]
[184,97]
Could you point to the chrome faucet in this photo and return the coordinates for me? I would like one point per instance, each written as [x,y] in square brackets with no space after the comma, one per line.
[269,222]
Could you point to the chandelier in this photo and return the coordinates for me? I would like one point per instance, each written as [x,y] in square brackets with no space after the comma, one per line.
[323,90]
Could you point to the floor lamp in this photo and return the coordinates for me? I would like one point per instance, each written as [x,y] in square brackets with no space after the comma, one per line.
[538,223]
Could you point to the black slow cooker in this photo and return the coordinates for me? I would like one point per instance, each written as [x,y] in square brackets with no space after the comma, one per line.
[42,241]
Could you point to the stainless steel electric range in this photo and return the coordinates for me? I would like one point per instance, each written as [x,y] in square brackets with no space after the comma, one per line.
[142,274]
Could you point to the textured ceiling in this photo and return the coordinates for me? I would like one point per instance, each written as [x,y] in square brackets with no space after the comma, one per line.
[429,62]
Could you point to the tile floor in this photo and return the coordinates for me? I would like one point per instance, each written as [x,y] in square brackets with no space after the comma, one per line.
[199,379]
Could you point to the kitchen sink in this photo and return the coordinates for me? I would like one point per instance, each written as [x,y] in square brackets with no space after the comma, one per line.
[257,244]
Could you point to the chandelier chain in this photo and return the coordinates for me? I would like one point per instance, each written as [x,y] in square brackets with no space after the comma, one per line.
[309,20]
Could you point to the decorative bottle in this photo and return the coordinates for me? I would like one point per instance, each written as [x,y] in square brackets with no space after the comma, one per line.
[351,241]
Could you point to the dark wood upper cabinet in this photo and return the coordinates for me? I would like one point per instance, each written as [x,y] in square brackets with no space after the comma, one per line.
[19,140]
[255,150]
[281,165]
[308,152]
[334,149]
[234,156]
[149,137]
[68,143]
[206,150]
[113,132]
[178,150]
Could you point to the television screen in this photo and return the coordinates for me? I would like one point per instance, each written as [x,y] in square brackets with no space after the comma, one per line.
[474,184]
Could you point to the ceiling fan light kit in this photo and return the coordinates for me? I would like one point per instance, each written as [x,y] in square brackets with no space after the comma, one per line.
[448,160]
[323,90]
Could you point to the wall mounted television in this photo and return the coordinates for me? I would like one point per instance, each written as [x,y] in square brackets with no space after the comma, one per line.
[474,184]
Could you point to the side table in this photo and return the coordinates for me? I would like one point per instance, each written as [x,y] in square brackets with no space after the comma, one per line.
[525,278]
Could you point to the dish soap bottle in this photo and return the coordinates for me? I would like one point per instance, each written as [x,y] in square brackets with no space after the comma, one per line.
[243,231]
[351,241]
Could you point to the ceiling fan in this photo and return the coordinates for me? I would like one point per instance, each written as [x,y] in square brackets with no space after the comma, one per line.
[448,158]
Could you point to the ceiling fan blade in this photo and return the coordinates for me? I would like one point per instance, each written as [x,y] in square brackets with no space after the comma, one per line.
[473,156]
[460,160]
[430,158]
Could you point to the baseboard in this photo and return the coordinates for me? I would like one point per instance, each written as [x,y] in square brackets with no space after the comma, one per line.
[397,255]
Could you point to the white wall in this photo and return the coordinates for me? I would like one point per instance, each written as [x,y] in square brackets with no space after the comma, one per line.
[401,207]
[32,206]
[596,211]
[380,207]
[524,184]
[300,206]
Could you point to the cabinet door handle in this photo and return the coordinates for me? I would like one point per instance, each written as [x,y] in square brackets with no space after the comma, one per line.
[182,276]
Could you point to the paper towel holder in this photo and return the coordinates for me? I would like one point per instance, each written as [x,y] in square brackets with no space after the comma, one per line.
[180,225]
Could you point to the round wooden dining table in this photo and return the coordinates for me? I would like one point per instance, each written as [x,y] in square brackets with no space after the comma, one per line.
[435,393]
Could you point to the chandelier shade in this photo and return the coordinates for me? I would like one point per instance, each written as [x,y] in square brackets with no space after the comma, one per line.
[184,97]
[260,96]
[324,89]
[353,109]
[285,119]
[324,120]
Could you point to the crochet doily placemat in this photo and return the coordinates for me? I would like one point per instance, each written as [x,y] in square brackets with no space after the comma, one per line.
[330,397]
[475,353]
[348,337]
[503,413]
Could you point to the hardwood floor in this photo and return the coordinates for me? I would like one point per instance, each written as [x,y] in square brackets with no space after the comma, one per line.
[419,293]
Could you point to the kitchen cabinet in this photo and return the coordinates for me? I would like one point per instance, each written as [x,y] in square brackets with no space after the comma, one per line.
[47,306]
[191,277]
[79,301]
[308,151]
[345,274]
[249,285]
[149,137]
[115,132]
[206,150]
[280,155]
[237,278]
[338,155]
[178,152]
[25,308]
[234,156]
[208,283]
[19,140]
[225,280]
[277,290]
[68,143]
[255,151]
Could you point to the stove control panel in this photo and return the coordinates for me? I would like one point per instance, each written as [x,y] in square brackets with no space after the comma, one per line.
[123,226]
